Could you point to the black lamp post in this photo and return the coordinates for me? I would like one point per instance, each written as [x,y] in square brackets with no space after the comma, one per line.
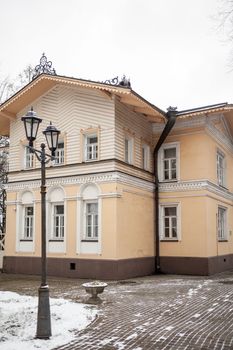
[31,124]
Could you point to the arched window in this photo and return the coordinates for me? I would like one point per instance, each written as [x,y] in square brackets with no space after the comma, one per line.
[56,217]
[89,223]
[90,213]
[27,215]
[25,227]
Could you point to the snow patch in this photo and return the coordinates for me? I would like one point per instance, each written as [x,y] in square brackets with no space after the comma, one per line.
[19,317]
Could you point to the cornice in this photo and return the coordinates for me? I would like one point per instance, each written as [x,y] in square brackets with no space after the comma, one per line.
[182,124]
[219,136]
[128,180]
[196,185]
[110,177]
[208,125]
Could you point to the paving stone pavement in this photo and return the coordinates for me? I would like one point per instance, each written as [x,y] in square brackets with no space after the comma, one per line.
[161,312]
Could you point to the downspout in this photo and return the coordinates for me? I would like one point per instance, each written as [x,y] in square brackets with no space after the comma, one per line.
[171,119]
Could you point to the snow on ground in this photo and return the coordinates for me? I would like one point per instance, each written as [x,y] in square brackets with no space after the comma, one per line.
[18,320]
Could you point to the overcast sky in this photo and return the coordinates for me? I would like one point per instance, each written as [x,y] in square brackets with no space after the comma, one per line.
[170,49]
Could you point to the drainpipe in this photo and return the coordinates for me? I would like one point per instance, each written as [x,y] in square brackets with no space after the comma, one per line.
[171,119]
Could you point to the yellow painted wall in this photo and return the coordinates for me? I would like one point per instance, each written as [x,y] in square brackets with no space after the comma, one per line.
[198,156]
[197,159]
[193,225]
[108,210]
[214,246]
[198,151]
[135,223]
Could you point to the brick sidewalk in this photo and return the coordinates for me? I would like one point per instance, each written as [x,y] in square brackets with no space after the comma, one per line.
[157,312]
[163,312]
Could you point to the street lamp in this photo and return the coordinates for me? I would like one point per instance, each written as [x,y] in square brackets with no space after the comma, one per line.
[31,125]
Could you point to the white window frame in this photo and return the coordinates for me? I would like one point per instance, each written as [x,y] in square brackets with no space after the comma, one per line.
[162,222]
[28,224]
[145,157]
[128,149]
[221,168]
[28,158]
[161,159]
[60,153]
[92,216]
[91,149]
[61,223]
[222,223]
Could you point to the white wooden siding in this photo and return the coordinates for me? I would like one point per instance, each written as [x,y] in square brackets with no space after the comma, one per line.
[127,121]
[70,110]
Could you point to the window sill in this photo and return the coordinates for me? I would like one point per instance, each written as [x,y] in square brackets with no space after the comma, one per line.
[169,240]
[26,240]
[223,187]
[90,240]
[56,240]
[168,181]
[90,160]
[222,240]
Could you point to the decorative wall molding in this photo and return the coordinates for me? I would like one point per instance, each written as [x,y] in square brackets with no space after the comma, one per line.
[111,195]
[196,185]
[182,124]
[207,122]
[219,136]
[128,180]
[109,177]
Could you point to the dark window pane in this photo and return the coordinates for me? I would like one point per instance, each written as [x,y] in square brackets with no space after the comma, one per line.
[170,211]
[92,140]
[173,163]
[174,233]
[166,232]
[166,164]
[173,174]
[170,153]
[59,209]
[166,175]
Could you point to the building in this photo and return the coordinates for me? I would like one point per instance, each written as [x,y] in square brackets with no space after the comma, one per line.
[101,189]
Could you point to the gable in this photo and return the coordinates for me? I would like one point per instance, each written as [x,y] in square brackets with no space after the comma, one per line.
[43,83]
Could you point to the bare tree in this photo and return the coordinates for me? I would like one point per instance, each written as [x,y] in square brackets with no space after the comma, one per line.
[7,89]
[10,87]
[224,19]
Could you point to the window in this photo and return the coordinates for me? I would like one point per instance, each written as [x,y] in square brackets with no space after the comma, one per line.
[169,162]
[91,147]
[222,212]
[28,223]
[145,157]
[28,158]
[25,222]
[128,150]
[58,222]
[169,225]
[91,222]
[221,168]
[59,153]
